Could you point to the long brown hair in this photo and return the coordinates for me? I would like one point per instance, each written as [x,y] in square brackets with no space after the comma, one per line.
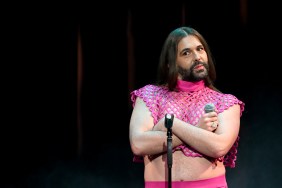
[167,69]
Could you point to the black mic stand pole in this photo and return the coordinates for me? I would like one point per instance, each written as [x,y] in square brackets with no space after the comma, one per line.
[168,125]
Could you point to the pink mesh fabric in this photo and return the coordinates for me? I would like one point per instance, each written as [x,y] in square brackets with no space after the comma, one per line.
[189,107]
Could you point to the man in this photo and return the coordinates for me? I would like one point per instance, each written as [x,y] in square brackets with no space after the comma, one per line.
[204,144]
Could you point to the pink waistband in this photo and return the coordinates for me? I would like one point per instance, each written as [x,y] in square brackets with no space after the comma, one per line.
[217,182]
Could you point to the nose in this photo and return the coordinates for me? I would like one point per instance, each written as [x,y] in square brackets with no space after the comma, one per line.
[197,56]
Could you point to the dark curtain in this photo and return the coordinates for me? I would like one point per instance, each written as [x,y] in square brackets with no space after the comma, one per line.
[71,72]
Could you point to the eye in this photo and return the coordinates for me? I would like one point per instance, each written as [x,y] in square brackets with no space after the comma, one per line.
[201,48]
[186,52]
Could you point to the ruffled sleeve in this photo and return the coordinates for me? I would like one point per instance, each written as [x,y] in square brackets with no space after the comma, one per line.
[149,94]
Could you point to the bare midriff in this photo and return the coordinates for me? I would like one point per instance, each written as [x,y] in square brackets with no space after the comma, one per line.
[183,168]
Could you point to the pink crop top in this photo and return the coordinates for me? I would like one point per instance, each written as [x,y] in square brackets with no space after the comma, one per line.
[187,104]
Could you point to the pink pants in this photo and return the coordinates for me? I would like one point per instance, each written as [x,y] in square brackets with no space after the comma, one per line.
[217,182]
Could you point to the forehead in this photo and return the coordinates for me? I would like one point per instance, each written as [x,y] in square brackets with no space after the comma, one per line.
[189,41]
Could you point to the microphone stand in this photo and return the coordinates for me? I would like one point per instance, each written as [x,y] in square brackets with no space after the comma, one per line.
[168,125]
[169,155]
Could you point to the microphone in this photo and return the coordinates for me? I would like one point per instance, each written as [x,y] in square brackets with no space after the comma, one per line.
[168,124]
[169,120]
[209,108]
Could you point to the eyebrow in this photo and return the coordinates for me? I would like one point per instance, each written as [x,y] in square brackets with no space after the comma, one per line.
[185,49]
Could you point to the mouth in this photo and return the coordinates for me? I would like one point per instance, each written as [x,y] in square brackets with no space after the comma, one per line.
[199,67]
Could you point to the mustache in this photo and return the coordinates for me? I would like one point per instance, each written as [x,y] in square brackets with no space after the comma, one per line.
[196,63]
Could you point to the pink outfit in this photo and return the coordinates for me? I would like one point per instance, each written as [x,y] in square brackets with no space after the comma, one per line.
[217,182]
[187,104]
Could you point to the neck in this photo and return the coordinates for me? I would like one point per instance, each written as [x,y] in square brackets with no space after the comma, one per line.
[190,86]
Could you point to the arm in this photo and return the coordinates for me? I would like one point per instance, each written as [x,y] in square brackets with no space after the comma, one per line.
[213,144]
[143,139]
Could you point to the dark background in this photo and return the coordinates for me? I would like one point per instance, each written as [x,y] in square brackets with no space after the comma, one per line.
[68,72]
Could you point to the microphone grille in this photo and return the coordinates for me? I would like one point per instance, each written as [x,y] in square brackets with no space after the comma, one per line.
[209,107]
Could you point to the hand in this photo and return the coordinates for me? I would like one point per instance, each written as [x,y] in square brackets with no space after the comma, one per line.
[160,126]
[208,121]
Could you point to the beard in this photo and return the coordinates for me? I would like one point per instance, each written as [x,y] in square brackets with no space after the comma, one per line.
[193,75]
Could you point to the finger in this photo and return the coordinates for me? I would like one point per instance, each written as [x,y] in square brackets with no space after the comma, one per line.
[214,124]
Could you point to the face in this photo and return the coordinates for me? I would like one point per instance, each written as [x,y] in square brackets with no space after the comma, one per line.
[191,59]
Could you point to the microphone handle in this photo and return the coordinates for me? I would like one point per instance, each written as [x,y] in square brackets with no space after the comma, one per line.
[169,152]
